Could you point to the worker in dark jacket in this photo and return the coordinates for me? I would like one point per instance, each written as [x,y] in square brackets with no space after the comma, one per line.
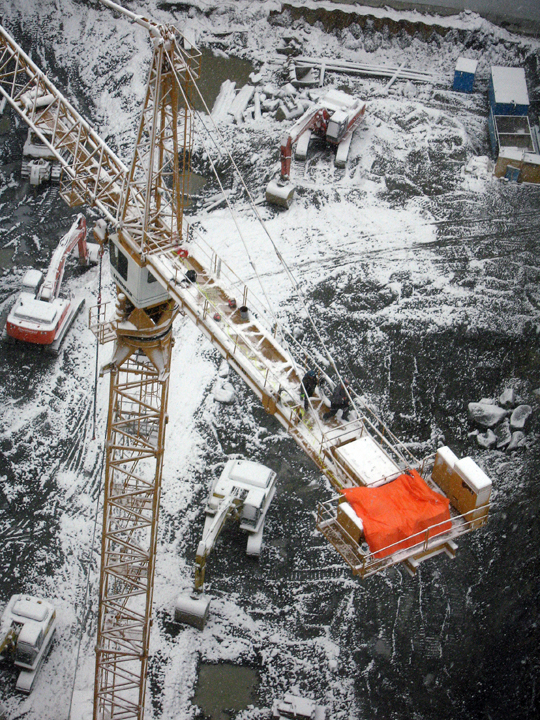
[339,401]
[307,389]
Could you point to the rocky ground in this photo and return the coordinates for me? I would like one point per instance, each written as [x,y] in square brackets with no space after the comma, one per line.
[423,282]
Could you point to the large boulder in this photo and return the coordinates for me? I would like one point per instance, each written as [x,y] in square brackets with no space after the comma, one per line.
[486,440]
[507,399]
[520,416]
[503,434]
[224,391]
[486,415]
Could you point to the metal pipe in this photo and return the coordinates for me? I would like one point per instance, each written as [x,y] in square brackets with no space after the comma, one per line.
[153,28]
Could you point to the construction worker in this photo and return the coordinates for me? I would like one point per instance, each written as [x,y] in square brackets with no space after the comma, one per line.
[307,388]
[339,401]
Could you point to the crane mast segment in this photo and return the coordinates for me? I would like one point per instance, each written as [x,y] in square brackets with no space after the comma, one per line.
[91,172]
[134,458]
[158,180]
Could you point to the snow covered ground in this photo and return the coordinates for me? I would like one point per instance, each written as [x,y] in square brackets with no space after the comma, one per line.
[424,284]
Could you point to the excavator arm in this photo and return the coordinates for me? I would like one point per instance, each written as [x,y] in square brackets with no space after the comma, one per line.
[314,119]
[212,528]
[76,235]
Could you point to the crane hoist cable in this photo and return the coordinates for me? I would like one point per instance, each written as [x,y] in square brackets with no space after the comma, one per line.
[85,608]
[96,369]
[233,214]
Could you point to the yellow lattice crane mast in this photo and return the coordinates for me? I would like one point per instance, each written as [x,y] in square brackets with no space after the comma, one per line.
[150,223]
[145,204]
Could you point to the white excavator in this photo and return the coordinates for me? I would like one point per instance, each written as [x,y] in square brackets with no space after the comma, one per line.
[334,118]
[27,629]
[39,163]
[243,492]
[39,315]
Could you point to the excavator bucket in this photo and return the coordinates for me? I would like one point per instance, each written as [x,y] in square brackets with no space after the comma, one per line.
[192,610]
[280,194]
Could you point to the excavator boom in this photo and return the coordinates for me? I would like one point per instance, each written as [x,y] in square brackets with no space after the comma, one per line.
[314,119]
[75,236]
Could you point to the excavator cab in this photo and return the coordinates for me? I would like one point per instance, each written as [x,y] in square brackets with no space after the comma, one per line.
[138,283]
[337,126]
[32,282]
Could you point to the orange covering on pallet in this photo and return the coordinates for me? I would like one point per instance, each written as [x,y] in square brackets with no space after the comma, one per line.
[394,512]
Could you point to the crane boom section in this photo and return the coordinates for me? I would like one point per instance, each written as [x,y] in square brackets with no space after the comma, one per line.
[91,172]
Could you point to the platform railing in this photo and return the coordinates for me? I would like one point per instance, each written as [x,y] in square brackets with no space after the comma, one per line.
[363,562]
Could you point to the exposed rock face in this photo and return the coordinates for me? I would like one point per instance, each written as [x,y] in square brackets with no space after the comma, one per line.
[520,416]
[486,415]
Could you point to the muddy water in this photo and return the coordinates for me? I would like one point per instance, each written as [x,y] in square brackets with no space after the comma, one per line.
[223,690]
[215,69]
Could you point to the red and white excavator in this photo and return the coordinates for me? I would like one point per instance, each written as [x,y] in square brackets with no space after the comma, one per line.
[39,316]
[334,119]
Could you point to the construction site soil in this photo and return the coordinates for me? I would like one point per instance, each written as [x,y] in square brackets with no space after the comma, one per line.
[423,317]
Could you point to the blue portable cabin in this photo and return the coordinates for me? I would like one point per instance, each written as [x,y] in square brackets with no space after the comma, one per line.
[464,74]
[508,91]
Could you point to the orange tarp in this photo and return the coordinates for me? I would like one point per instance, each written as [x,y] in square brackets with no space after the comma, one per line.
[392,513]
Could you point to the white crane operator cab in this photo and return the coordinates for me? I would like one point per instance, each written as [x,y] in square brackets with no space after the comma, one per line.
[137,282]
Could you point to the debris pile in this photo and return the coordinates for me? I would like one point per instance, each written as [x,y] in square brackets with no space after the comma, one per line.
[504,420]
[252,102]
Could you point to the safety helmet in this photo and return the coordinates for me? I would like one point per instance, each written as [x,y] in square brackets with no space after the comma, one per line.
[312,373]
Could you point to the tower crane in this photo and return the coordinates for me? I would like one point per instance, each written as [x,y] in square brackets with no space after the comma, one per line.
[161,267]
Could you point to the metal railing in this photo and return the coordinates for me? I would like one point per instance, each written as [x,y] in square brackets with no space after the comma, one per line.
[363,562]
